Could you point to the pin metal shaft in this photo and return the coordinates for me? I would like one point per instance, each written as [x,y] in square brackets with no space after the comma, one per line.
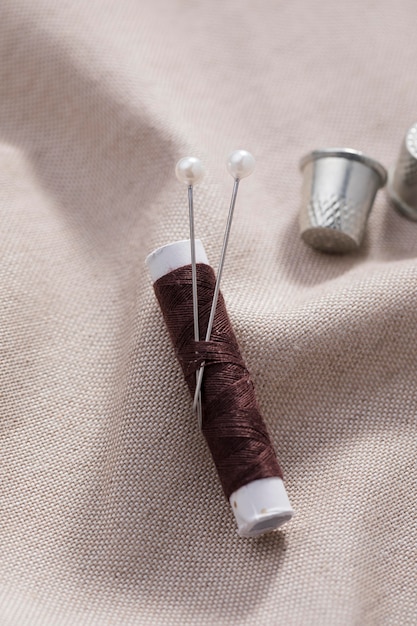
[200,372]
[197,404]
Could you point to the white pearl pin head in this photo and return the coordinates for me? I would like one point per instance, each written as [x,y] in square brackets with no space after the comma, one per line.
[189,170]
[240,163]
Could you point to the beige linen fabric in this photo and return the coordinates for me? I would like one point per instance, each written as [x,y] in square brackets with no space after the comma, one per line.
[110,509]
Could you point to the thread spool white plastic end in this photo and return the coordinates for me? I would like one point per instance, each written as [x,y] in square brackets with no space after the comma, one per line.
[172,256]
[260,507]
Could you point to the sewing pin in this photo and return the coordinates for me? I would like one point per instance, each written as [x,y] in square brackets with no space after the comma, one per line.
[190,171]
[240,164]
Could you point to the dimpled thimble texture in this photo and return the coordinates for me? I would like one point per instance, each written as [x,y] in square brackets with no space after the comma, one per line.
[402,188]
[339,187]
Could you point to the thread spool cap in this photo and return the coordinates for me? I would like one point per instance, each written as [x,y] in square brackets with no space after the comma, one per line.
[172,256]
[402,184]
[339,189]
[262,505]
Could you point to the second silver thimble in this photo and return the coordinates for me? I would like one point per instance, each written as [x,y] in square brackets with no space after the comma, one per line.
[339,189]
[402,185]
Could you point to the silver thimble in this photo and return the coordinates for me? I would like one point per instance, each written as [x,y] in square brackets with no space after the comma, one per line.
[339,189]
[402,185]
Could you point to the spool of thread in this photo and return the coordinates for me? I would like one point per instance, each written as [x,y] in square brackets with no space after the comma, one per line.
[232,425]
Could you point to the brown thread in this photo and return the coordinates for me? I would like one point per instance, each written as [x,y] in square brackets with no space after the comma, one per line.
[232,424]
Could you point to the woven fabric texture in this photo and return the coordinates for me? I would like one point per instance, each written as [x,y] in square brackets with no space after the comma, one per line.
[111,513]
